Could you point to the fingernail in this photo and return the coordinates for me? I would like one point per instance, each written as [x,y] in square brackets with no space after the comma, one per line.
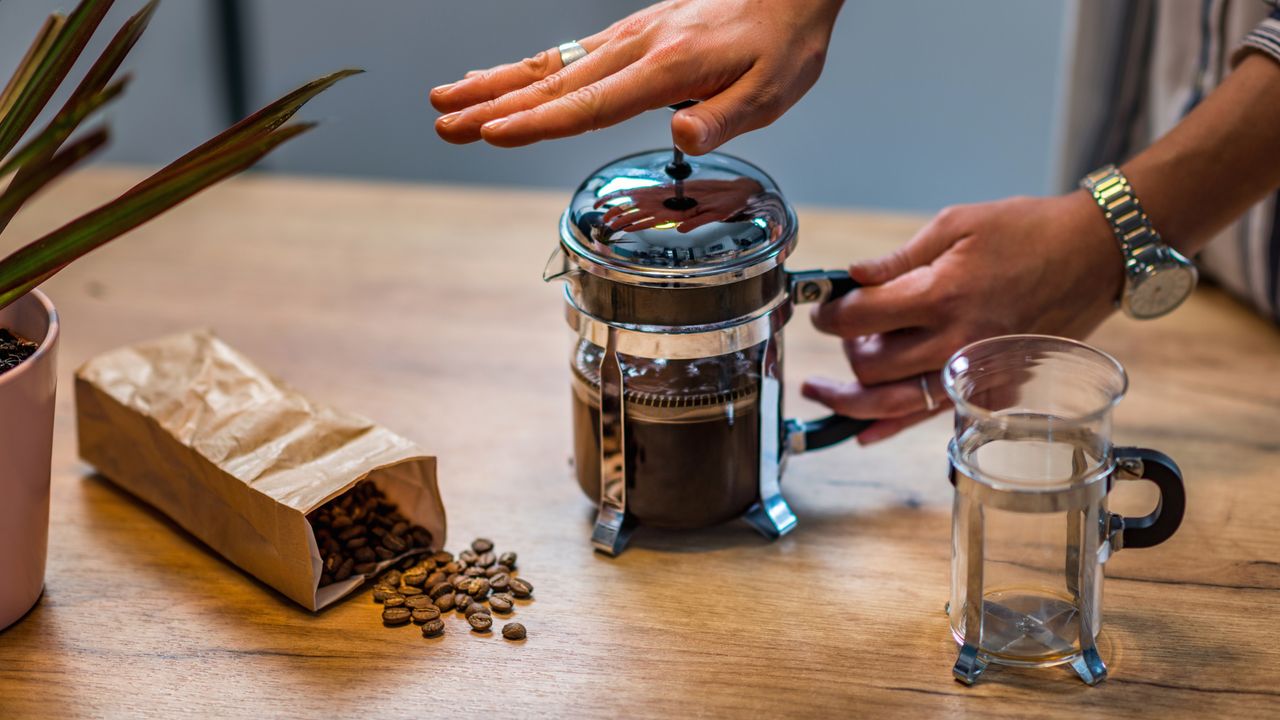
[494,124]
[700,130]
[447,120]
[442,89]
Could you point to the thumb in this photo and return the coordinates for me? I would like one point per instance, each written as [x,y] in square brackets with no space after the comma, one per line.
[947,227]
[746,105]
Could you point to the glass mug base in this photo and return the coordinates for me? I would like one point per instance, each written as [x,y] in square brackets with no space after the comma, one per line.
[1027,627]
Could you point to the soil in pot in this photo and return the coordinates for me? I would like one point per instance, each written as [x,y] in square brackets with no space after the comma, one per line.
[13,350]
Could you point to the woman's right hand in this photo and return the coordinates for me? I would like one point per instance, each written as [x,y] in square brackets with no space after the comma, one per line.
[748,61]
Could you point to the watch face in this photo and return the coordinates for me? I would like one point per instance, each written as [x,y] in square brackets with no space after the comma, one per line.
[1162,291]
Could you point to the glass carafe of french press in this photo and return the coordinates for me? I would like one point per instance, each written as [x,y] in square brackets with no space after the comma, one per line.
[677,297]
[1032,464]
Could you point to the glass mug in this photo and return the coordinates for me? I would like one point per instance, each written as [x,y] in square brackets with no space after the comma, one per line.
[1032,464]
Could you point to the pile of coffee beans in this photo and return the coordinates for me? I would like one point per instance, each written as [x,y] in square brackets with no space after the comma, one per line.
[424,591]
[13,350]
[362,528]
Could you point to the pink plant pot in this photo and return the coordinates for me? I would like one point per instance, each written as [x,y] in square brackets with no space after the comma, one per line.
[26,449]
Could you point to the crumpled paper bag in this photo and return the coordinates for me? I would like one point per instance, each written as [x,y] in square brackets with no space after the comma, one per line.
[238,459]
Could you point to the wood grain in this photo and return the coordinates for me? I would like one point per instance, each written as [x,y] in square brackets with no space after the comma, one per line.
[422,307]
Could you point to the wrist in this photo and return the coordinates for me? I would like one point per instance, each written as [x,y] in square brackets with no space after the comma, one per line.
[1096,244]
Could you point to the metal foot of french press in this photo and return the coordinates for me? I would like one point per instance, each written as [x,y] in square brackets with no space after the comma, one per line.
[971,662]
[1089,665]
[969,665]
[771,516]
[614,525]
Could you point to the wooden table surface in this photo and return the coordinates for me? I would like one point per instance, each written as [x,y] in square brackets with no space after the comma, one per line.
[423,308]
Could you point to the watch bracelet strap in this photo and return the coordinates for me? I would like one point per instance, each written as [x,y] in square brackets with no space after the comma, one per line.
[1115,196]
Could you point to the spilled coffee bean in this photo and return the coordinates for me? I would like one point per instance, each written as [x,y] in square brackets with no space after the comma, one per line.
[476,583]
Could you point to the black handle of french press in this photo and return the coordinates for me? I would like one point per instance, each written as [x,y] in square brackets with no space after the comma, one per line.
[1160,524]
[832,429]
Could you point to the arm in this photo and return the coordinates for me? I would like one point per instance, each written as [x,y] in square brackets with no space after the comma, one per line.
[968,274]
[748,60]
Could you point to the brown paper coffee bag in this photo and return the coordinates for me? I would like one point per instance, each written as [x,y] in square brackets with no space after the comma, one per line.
[239,459]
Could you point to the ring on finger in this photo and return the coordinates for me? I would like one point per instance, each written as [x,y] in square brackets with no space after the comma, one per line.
[571,52]
[929,403]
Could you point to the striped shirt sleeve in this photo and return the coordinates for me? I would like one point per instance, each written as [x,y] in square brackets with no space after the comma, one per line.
[1264,39]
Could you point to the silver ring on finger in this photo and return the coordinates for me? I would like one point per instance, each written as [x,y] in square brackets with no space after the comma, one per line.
[571,52]
[929,403]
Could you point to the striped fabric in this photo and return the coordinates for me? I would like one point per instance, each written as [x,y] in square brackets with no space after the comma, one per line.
[1194,46]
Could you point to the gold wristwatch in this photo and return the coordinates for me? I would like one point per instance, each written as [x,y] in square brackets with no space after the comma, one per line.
[1157,278]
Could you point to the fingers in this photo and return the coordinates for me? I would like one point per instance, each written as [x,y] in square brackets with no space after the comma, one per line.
[615,98]
[748,104]
[947,227]
[900,303]
[896,406]
[466,125]
[882,358]
[479,86]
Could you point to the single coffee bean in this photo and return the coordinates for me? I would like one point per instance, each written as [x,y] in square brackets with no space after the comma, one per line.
[356,543]
[500,604]
[441,589]
[409,590]
[474,572]
[421,615]
[382,592]
[508,559]
[498,569]
[445,602]
[487,560]
[480,622]
[332,562]
[366,568]
[513,631]
[468,556]
[396,600]
[508,597]
[344,570]
[394,544]
[481,545]
[459,581]
[392,578]
[419,601]
[406,563]
[365,555]
[520,587]
[434,579]
[396,615]
[432,628]
[378,532]
[500,582]
[461,601]
[442,557]
[383,553]
[341,522]
[415,576]
[399,529]
[478,588]
[325,578]
[352,531]
[474,608]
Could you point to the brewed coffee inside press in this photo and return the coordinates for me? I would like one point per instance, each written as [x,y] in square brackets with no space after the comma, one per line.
[691,436]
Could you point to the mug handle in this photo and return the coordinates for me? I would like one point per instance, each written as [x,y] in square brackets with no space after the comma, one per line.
[821,286]
[1160,524]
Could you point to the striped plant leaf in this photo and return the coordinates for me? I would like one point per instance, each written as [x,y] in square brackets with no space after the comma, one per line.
[35,176]
[41,259]
[31,96]
[43,145]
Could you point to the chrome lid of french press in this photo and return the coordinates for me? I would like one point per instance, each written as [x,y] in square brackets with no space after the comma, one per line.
[657,219]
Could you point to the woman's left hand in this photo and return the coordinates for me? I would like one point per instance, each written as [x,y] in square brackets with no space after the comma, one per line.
[1021,265]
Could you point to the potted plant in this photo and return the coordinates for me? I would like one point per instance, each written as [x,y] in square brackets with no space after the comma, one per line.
[28,321]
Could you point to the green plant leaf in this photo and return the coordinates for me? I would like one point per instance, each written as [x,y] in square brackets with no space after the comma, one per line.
[36,175]
[43,145]
[39,260]
[27,66]
[51,70]
[263,121]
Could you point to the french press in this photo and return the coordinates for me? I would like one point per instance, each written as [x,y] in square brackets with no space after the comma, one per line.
[1032,463]
[677,297]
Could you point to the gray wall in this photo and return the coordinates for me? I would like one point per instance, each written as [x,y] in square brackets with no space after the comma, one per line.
[923,103]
